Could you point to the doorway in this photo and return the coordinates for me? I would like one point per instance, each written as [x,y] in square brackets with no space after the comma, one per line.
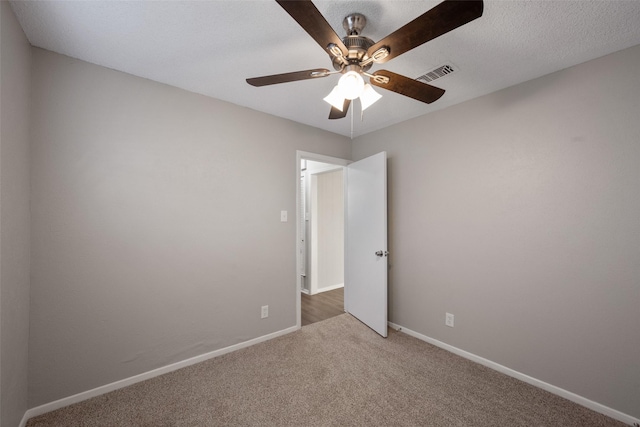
[322,240]
[365,239]
[320,237]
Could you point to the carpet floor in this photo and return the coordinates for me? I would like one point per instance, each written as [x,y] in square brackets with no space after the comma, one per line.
[333,373]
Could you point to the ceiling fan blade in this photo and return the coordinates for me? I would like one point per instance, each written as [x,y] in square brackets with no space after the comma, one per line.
[337,114]
[311,20]
[443,18]
[288,77]
[407,87]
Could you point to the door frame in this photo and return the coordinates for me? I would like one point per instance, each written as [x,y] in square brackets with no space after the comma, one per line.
[305,155]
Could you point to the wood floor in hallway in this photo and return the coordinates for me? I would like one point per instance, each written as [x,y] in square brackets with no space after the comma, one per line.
[322,306]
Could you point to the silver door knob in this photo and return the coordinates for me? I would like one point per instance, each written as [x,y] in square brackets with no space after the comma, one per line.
[382,253]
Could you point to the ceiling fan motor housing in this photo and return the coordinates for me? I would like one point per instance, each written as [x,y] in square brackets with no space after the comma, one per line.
[354,42]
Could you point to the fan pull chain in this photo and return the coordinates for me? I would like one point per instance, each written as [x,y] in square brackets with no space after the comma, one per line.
[353,108]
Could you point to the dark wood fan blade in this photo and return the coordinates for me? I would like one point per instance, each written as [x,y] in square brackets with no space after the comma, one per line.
[337,114]
[311,20]
[443,18]
[408,87]
[288,77]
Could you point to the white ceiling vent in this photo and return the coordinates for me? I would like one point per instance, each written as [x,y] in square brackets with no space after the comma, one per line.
[438,72]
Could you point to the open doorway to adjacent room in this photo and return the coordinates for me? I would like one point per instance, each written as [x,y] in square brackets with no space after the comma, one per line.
[321,239]
[360,255]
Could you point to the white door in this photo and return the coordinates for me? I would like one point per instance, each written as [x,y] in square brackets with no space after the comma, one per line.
[366,242]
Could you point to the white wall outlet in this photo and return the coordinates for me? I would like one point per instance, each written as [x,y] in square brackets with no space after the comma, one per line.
[448,319]
[265,312]
[283,216]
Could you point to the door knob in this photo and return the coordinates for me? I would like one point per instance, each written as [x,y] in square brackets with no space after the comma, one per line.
[382,253]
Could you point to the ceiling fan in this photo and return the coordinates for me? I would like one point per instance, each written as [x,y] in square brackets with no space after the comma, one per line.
[354,55]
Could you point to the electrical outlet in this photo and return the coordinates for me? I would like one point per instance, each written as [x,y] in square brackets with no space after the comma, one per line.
[448,319]
[265,312]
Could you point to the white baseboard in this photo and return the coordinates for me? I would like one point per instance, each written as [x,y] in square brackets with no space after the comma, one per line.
[52,406]
[328,288]
[595,406]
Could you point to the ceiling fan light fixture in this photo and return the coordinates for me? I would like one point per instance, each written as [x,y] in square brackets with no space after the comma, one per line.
[335,98]
[351,84]
[368,96]
[352,55]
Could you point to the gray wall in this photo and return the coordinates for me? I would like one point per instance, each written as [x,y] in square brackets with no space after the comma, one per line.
[15,66]
[519,212]
[156,224]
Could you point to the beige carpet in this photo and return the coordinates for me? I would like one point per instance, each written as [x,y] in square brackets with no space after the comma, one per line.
[333,373]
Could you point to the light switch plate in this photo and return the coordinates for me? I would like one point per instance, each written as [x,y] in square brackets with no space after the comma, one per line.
[283,216]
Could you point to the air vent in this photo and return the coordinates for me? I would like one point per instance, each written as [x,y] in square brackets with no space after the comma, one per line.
[436,73]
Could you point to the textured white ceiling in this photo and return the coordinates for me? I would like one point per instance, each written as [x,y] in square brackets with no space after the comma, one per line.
[210,47]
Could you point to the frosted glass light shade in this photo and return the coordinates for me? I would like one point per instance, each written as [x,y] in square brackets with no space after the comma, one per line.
[368,96]
[351,84]
[335,98]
